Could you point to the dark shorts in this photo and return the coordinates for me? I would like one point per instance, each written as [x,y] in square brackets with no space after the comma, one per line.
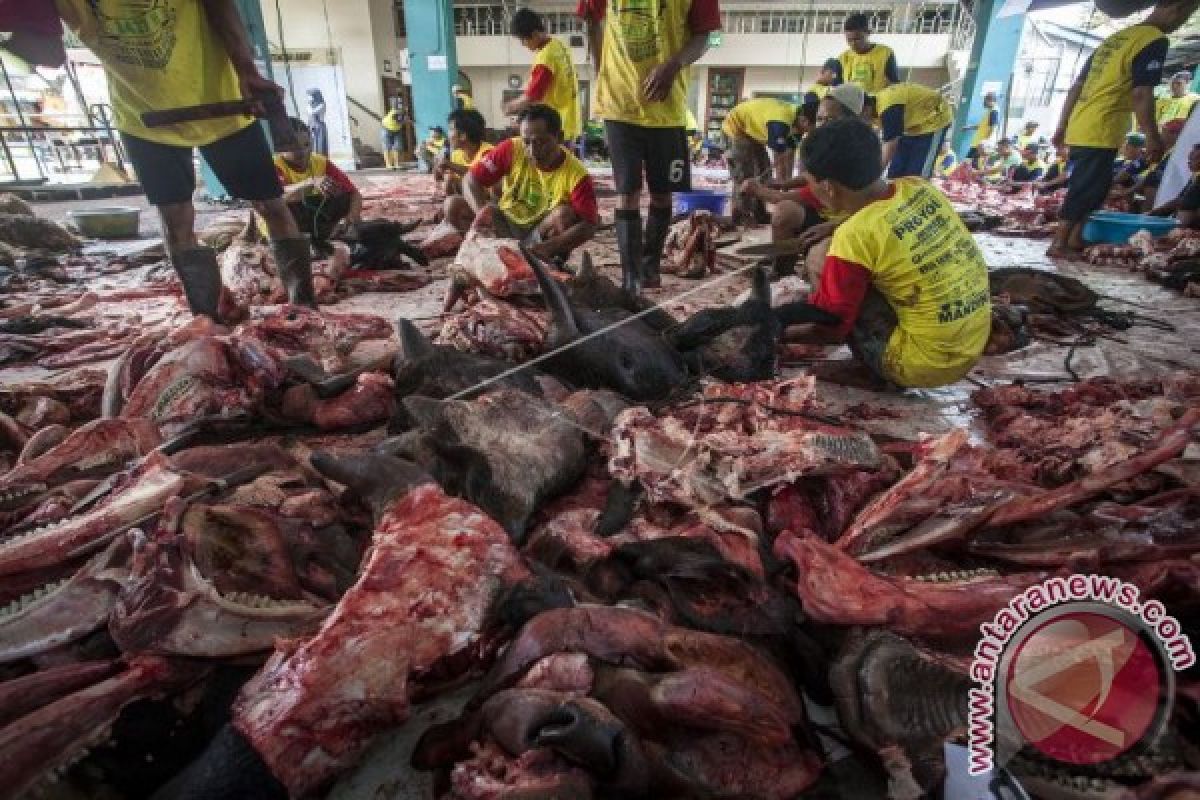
[1091,178]
[872,330]
[661,152]
[241,161]
[914,155]
[318,214]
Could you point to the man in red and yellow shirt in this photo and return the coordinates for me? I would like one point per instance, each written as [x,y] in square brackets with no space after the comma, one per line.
[902,272]
[641,51]
[547,197]
[319,195]
[552,80]
[1118,78]
[179,53]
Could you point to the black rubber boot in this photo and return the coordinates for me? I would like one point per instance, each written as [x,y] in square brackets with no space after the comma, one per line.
[629,246]
[658,225]
[201,278]
[293,259]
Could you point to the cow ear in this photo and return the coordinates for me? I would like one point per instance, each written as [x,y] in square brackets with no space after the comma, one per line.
[552,291]
[586,269]
[413,344]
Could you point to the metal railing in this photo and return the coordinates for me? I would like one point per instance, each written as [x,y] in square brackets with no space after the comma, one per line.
[904,18]
[494,20]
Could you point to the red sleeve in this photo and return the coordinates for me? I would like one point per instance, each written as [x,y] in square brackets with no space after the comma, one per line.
[335,174]
[843,286]
[539,83]
[492,168]
[805,197]
[583,200]
[591,9]
[704,16]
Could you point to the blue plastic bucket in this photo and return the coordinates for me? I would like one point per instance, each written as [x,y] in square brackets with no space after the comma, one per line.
[701,200]
[1114,227]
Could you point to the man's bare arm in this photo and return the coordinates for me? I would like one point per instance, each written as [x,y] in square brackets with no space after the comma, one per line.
[1143,110]
[227,24]
[476,193]
[565,242]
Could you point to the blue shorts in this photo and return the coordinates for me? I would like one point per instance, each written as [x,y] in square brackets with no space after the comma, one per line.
[914,155]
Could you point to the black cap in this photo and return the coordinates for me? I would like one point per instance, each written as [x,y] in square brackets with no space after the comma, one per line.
[834,66]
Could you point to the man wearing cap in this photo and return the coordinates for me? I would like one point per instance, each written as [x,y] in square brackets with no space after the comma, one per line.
[1028,134]
[752,129]
[914,119]
[1030,169]
[462,99]
[1117,79]
[829,77]
[1178,103]
[799,213]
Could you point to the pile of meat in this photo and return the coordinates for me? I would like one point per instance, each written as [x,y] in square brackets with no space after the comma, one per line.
[246,553]
[1006,213]
[1172,260]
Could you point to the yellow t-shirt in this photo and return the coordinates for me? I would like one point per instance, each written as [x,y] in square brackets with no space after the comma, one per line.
[638,36]
[459,156]
[818,89]
[468,102]
[528,194]
[925,263]
[159,55]
[925,110]
[690,121]
[563,94]
[867,69]
[318,167]
[1101,115]
[985,129]
[752,118]
[391,121]
[1169,108]
[435,146]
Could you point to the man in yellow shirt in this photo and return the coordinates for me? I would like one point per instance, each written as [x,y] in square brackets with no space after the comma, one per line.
[1179,102]
[913,119]
[433,149]
[871,66]
[552,80]
[986,128]
[641,52]
[829,77]
[178,53]
[462,98]
[319,195]
[547,198]
[752,129]
[467,129]
[393,135]
[1118,78]
[902,272]
[1028,134]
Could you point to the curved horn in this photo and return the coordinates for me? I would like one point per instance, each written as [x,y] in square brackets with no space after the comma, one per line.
[413,344]
[377,478]
[556,298]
